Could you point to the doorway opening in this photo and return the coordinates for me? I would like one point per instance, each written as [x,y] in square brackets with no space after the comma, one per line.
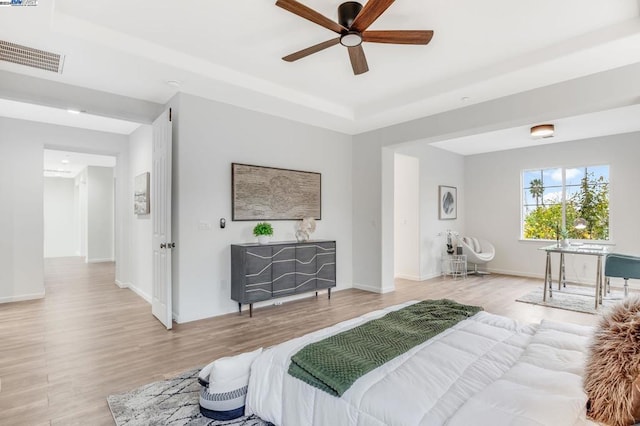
[79,206]
[406,217]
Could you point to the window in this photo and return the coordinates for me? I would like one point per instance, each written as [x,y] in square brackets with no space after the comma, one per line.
[553,201]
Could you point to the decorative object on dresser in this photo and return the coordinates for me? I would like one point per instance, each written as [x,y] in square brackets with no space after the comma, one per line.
[263,231]
[305,228]
[267,193]
[264,272]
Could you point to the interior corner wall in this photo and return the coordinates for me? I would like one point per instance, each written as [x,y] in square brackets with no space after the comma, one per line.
[83,200]
[141,237]
[21,213]
[100,214]
[494,195]
[367,213]
[212,135]
[437,167]
[59,217]
[407,217]
[22,146]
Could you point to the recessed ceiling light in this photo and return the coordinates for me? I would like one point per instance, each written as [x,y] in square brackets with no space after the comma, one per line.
[542,131]
[65,161]
[465,99]
[73,111]
[173,83]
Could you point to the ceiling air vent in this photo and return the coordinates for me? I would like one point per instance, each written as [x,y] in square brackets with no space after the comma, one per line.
[31,57]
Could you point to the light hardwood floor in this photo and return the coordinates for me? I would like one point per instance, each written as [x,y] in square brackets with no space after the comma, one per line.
[60,357]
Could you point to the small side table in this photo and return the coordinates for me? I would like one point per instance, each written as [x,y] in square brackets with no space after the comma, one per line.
[454,265]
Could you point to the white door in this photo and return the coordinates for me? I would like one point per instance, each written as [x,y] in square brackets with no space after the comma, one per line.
[161,219]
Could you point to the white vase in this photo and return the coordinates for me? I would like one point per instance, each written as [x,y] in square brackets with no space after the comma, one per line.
[263,239]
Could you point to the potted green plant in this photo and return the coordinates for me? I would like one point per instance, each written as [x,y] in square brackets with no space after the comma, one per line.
[263,231]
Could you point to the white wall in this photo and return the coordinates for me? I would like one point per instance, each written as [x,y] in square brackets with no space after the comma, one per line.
[21,185]
[140,144]
[59,225]
[407,217]
[437,167]
[493,196]
[82,206]
[21,213]
[211,136]
[100,213]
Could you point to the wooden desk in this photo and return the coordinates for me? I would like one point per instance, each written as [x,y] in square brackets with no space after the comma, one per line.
[585,249]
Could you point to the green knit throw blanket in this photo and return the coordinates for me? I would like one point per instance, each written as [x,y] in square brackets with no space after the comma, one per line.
[334,363]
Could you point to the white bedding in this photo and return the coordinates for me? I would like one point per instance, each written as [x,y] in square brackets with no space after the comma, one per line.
[486,370]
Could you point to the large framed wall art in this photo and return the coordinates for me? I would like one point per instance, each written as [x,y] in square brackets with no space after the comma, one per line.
[267,193]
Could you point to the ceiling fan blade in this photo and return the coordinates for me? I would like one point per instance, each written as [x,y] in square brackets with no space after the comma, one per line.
[358,60]
[310,14]
[369,13]
[310,50]
[398,37]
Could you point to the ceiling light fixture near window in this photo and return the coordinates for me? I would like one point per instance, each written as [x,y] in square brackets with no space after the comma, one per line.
[542,131]
[173,83]
[73,111]
[65,161]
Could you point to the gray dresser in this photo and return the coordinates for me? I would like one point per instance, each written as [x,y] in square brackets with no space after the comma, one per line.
[263,272]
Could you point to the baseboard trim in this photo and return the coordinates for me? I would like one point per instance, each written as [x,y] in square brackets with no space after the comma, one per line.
[144,295]
[100,260]
[22,297]
[373,289]
[136,290]
[515,273]
[408,277]
[431,276]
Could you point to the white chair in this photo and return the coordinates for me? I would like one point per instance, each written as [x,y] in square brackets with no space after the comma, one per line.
[478,251]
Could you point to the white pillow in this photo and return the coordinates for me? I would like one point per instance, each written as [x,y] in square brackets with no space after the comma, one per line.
[233,367]
[224,396]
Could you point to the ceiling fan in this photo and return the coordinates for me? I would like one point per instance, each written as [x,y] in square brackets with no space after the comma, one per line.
[353,21]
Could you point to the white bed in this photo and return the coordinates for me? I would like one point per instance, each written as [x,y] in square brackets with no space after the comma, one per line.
[486,370]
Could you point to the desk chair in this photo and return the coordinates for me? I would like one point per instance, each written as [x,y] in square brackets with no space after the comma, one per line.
[622,266]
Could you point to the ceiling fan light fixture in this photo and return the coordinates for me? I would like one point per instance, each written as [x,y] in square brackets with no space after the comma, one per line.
[542,131]
[351,39]
[347,13]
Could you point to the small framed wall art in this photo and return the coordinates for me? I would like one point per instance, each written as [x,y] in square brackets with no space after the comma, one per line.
[448,204]
[141,194]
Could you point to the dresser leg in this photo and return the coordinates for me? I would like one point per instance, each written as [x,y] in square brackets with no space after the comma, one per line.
[250,310]
[329,293]
[316,294]
[240,308]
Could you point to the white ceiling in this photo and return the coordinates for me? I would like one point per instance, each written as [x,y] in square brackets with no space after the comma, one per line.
[67,164]
[610,122]
[45,114]
[230,51]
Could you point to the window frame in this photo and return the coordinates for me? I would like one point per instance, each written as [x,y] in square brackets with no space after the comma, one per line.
[564,168]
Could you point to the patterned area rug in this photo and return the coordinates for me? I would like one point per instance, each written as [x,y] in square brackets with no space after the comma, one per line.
[172,402]
[571,298]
